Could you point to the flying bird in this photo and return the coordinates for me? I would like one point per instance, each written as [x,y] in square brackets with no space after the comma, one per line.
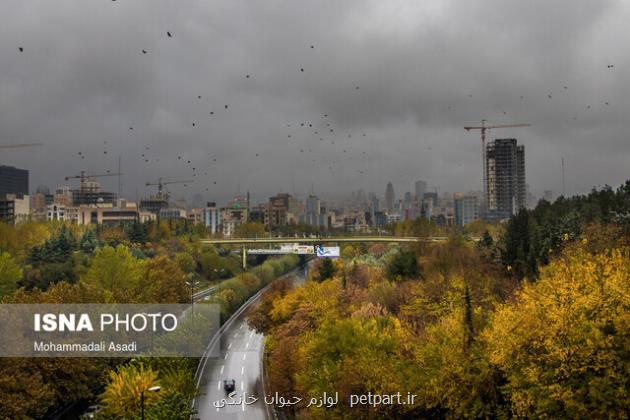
[169,34]
[226,107]
[610,66]
[144,51]
[21,49]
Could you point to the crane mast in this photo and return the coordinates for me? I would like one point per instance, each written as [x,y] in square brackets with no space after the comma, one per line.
[482,128]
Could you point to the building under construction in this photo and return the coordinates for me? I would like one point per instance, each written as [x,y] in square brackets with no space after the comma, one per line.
[90,192]
[505,179]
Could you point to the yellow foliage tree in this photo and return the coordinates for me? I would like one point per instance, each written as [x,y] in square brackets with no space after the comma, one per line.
[123,393]
[563,345]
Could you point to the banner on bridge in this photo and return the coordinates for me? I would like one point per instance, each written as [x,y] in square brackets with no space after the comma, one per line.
[327,251]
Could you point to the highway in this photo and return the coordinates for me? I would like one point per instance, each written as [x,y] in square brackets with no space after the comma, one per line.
[240,358]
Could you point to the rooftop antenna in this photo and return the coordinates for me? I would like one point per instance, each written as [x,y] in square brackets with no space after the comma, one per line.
[119,174]
[562,161]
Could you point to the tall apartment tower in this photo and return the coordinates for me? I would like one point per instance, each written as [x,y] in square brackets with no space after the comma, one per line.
[505,182]
[421,188]
[390,197]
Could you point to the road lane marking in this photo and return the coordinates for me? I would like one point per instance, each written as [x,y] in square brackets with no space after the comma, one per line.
[222,367]
[219,386]
[230,346]
[242,386]
[250,334]
[241,327]
[244,356]
[247,344]
[243,370]
[226,355]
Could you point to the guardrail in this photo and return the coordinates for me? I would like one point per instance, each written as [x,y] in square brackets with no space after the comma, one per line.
[204,359]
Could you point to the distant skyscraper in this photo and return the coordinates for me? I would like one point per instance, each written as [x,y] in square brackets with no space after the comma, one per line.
[421,188]
[313,210]
[407,199]
[13,181]
[390,197]
[466,209]
[505,184]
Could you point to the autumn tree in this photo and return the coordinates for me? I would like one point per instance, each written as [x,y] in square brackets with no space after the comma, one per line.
[115,270]
[326,269]
[563,344]
[124,389]
[404,264]
[10,274]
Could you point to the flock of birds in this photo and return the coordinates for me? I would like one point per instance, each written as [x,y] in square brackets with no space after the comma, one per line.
[306,137]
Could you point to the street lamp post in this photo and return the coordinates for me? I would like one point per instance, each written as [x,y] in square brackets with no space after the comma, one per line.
[152,389]
[192,283]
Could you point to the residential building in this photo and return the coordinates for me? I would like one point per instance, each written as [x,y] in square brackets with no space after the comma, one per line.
[211,217]
[107,213]
[14,208]
[466,208]
[505,184]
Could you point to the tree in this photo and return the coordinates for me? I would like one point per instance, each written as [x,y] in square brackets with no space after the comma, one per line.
[250,230]
[88,242]
[404,264]
[172,406]
[10,274]
[122,395]
[164,282]
[563,344]
[137,232]
[326,269]
[186,262]
[117,271]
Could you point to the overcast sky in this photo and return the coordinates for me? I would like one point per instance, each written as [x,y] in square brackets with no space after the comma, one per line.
[397,80]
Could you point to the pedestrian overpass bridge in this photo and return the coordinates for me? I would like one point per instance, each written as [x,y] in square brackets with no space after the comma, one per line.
[310,240]
[322,240]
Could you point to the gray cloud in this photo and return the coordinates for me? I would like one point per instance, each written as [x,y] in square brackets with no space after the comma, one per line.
[424,69]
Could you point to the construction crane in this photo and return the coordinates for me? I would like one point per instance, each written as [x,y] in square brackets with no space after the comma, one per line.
[160,184]
[482,128]
[85,177]
[19,146]
[88,183]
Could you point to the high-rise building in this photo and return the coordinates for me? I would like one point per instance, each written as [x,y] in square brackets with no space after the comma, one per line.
[211,217]
[433,196]
[421,188]
[505,183]
[390,197]
[313,210]
[466,208]
[13,181]
[278,209]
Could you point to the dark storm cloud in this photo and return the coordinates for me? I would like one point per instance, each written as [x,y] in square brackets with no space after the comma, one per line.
[407,74]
